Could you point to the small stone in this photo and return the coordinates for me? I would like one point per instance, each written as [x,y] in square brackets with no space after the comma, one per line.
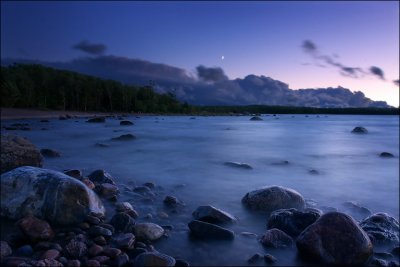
[101,259]
[127,208]
[100,240]
[256,118]
[108,190]
[95,250]
[73,263]
[124,137]
[92,220]
[254,258]
[35,229]
[50,254]
[63,260]
[120,260]
[45,245]
[359,130]
[276,238]
[153,259]
[126,123]
[24,251]
[313,171]
[122,222]
[108,226]
[211,214]
[84,226]
[100,177]
[163,215]
[170,201]
[111,252]
[74,173]
[268,258]
[98,230]
[148,231]
[92,263]
[238,165]
[88,183]
[150,185]
[5,250]
[386,155]
[76,249]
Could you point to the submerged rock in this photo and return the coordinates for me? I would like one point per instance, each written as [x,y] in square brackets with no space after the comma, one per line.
[256,118]
[335,238]
[148,231]
[273,198]
[50,153]
[209,231]
[292,221]
[46,194]
[171,201]
[382,229]
[97,119]
[276,238]
[360,130]
[356,210]
[127,208]
[126,123]
[238,165]
[386,155]
[148,259]
[17,151]
[211,214]
[124,137]
[100,177]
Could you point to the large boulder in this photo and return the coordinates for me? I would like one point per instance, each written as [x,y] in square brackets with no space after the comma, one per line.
[209,231]
[292,221]
[212,215]
[335,239]
[382,229]
[46,194]
[273,198]
[17,151]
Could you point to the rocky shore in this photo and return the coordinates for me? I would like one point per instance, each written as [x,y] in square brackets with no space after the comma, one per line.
[74,219]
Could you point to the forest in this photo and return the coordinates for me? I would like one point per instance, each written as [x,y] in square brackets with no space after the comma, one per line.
[39,87]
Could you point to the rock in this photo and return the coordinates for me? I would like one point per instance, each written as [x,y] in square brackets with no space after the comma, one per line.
[377,262]
[47,194]
[396,251]
[112,252]
[124,137]
[45,245]
[386,155]
[335,238]
[126,123]
[382,229]
[253,259]
[92,219]
[124,240]
[143,190]
[273,198]
[74,173]
[95,250]
[50,153]
[171,201]
[100,177]
[24,251]
[163,215]
[181,263]
[98,230]
[5,250]
[268,258]
[88,183]
[148,231]
[92,263]
[35,229]
[256,118]
[108,226]
[238,165]
[356,211]
[97,119]
[51,254]
[292,221]
[153,259]
[100,240]
[76,249]
[107,190]
[211,214]
[120,260]
[150,185]
[276,238]
[209,231]
[313,171]
[359,130]
[122,222]
[17,151]
[127,208]
[101,259]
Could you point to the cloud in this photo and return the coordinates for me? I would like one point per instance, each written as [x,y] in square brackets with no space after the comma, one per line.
[377,71]
[93,49]
[211,74]
[354,72]
[212,86]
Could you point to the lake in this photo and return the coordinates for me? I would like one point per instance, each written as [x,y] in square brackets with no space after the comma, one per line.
[185,158]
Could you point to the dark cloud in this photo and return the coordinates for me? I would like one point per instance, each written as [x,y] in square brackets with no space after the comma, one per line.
[210,74]
[212,87]
[93,49]
[354,72]
[377,71]
[396,82]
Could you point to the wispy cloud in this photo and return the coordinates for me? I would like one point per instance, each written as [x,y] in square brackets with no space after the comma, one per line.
[90,48]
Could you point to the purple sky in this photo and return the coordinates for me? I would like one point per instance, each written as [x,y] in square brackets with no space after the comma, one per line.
[262,38]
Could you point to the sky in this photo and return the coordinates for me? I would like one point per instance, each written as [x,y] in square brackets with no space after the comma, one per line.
[261,38]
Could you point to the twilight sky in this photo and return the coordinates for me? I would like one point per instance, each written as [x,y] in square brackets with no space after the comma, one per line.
[261,38]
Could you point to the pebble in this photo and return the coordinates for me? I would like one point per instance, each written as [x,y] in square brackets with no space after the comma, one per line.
[99,231]
[92,263]
[92,220]
[50,254]
[73,263]
[100,240]
[112,252]
[95,250]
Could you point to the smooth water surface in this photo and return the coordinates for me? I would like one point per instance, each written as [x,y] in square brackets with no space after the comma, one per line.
[176,150]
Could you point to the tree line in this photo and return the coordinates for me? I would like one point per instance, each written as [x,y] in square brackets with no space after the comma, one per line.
[37,86]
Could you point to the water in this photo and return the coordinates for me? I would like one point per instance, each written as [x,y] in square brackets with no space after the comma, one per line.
[175,150]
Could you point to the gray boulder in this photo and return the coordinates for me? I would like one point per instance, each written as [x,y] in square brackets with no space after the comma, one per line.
[17,151]
[359,130]
[48,195]
[209,231]
[212,215]
[335,239]
[382,229]
[273,198]
[148,231]
[292,221]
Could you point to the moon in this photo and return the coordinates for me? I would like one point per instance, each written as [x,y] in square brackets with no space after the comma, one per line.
[222,57]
